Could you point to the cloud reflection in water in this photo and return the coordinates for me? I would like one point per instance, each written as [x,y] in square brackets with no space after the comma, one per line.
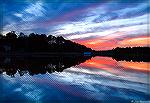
[98,79]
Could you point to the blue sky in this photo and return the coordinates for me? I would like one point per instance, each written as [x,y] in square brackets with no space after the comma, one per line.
[78,20]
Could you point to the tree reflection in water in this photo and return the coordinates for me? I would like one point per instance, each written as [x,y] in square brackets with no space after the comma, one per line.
[41,64]
[38,65]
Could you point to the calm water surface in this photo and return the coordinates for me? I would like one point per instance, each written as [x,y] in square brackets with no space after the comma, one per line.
[98,79]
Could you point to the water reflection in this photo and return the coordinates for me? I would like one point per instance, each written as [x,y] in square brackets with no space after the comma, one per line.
[86,79]
[38,65]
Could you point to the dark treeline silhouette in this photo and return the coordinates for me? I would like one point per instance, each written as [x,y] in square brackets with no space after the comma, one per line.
[38,65]
[12,42]
[135,54]
[42,45]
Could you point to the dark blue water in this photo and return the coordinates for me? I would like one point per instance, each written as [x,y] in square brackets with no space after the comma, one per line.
[97,80]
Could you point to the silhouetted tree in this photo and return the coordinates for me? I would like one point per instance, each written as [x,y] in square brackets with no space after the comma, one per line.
[11,35]
[1,36]
[40,43]
[21,35]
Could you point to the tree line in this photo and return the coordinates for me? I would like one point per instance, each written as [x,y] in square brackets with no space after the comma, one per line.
[11,42]
[128,53]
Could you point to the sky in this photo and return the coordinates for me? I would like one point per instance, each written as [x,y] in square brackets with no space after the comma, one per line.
[98,24]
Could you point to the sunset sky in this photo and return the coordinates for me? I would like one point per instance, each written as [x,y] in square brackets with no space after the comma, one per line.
[98,24]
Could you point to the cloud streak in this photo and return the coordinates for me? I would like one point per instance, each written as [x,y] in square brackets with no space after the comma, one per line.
[110,22]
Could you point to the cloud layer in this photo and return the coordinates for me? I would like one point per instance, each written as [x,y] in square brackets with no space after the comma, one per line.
[97,24]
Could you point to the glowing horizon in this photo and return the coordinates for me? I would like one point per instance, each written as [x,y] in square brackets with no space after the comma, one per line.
[98,25]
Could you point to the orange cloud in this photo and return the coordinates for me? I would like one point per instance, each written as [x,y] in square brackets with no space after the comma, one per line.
[142,66]
[138,41]
[105,43]
[99,43]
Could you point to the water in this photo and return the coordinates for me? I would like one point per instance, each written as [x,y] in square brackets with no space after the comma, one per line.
[99,79]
